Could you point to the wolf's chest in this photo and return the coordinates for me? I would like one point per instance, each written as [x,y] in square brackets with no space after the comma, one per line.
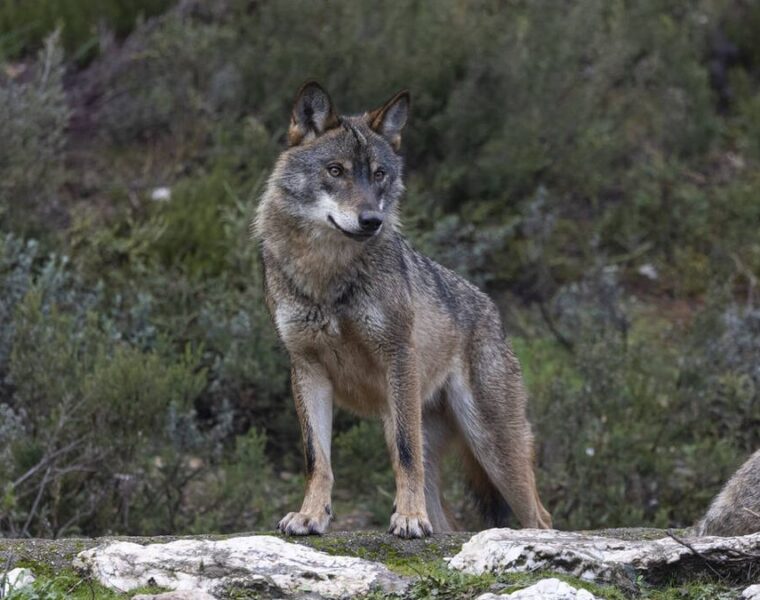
[306,327]
[311,327]
[343,344]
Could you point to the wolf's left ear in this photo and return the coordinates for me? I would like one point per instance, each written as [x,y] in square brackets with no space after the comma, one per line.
[312,115]
[390,119]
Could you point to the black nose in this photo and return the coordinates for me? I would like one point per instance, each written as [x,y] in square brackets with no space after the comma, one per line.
[370,220]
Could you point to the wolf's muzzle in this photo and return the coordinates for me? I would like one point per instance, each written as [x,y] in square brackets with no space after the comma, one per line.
[370,221]
[359,236]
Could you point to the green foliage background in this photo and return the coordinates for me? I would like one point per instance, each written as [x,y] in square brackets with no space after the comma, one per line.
[592,164]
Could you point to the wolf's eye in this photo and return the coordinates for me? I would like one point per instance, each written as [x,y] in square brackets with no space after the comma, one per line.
[335,170]
[379,175]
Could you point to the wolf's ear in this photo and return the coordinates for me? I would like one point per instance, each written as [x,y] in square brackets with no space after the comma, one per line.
[312,115]
[390,118]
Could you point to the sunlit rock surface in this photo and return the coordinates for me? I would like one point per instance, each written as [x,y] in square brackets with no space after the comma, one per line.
[178,595]
[604,559]
[14,580]
[752,593]
[264,564]
[546,589]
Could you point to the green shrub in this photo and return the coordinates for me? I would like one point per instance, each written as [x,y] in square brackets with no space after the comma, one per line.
[644,420]
[363,473]
[25,23]
[198,482]
[33,118]
[193,236]
[179,76]
[245,494]
[93,409]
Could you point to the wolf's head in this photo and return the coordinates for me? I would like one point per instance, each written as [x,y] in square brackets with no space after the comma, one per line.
[341,174]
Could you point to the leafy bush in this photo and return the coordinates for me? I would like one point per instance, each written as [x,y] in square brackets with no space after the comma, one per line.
[25,23]
[100,433]
[187,79]
[363,474]
[629,420]
[92,410]
[33,118]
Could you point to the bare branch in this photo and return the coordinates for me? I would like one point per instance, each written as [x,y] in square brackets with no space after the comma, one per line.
[33,511]
[46,460]
[696,552]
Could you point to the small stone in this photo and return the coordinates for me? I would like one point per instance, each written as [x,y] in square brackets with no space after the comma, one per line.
[752,592]
[649,271]
[161,194]
[179,595]
[546,589]
[15,580]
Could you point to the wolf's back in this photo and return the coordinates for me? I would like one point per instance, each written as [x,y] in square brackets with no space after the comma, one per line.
[736,509]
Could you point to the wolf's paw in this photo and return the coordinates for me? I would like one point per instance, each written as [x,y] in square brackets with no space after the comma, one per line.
[410,526]
[297,523]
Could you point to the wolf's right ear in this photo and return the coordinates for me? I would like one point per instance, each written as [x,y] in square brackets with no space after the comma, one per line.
[312,115]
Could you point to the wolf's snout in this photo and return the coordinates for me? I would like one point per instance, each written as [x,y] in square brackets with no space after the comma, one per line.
[370,221]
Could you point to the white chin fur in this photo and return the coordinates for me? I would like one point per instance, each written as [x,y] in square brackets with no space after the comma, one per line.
[327,208]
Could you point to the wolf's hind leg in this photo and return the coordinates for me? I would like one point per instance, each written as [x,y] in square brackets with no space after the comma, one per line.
[438,433]
[488,401]
[312,393]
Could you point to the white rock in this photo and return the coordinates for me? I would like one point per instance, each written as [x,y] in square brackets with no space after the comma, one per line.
[592,557]
[546,589]
[262,563]
[161,194]
[649,271]
[752,592]
[179,595]
[14,580]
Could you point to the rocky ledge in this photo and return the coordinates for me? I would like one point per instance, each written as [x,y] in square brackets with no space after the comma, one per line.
[498,563]
[624,563]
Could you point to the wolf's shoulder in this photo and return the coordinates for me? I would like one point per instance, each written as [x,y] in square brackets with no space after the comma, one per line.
[428,276]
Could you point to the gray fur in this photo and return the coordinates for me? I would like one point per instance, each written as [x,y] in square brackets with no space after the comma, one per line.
[391,333]
[736,509]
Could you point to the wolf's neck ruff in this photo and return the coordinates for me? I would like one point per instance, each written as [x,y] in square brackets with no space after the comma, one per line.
[318,265]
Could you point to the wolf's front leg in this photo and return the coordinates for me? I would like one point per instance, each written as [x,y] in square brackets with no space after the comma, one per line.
[313,396]
[403,433]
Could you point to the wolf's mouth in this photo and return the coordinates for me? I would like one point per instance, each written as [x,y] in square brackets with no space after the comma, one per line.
[359,236]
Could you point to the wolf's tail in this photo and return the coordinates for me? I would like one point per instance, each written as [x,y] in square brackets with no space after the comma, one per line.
[490,504]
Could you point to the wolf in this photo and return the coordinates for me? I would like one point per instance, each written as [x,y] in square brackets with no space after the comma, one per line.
[382,330]
[736,509]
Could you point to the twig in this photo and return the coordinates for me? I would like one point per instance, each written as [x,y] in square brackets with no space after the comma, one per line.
[750,511]
[696,552]
[43,485]
[46,460]
[560,337]
[6,570]
[748,274]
